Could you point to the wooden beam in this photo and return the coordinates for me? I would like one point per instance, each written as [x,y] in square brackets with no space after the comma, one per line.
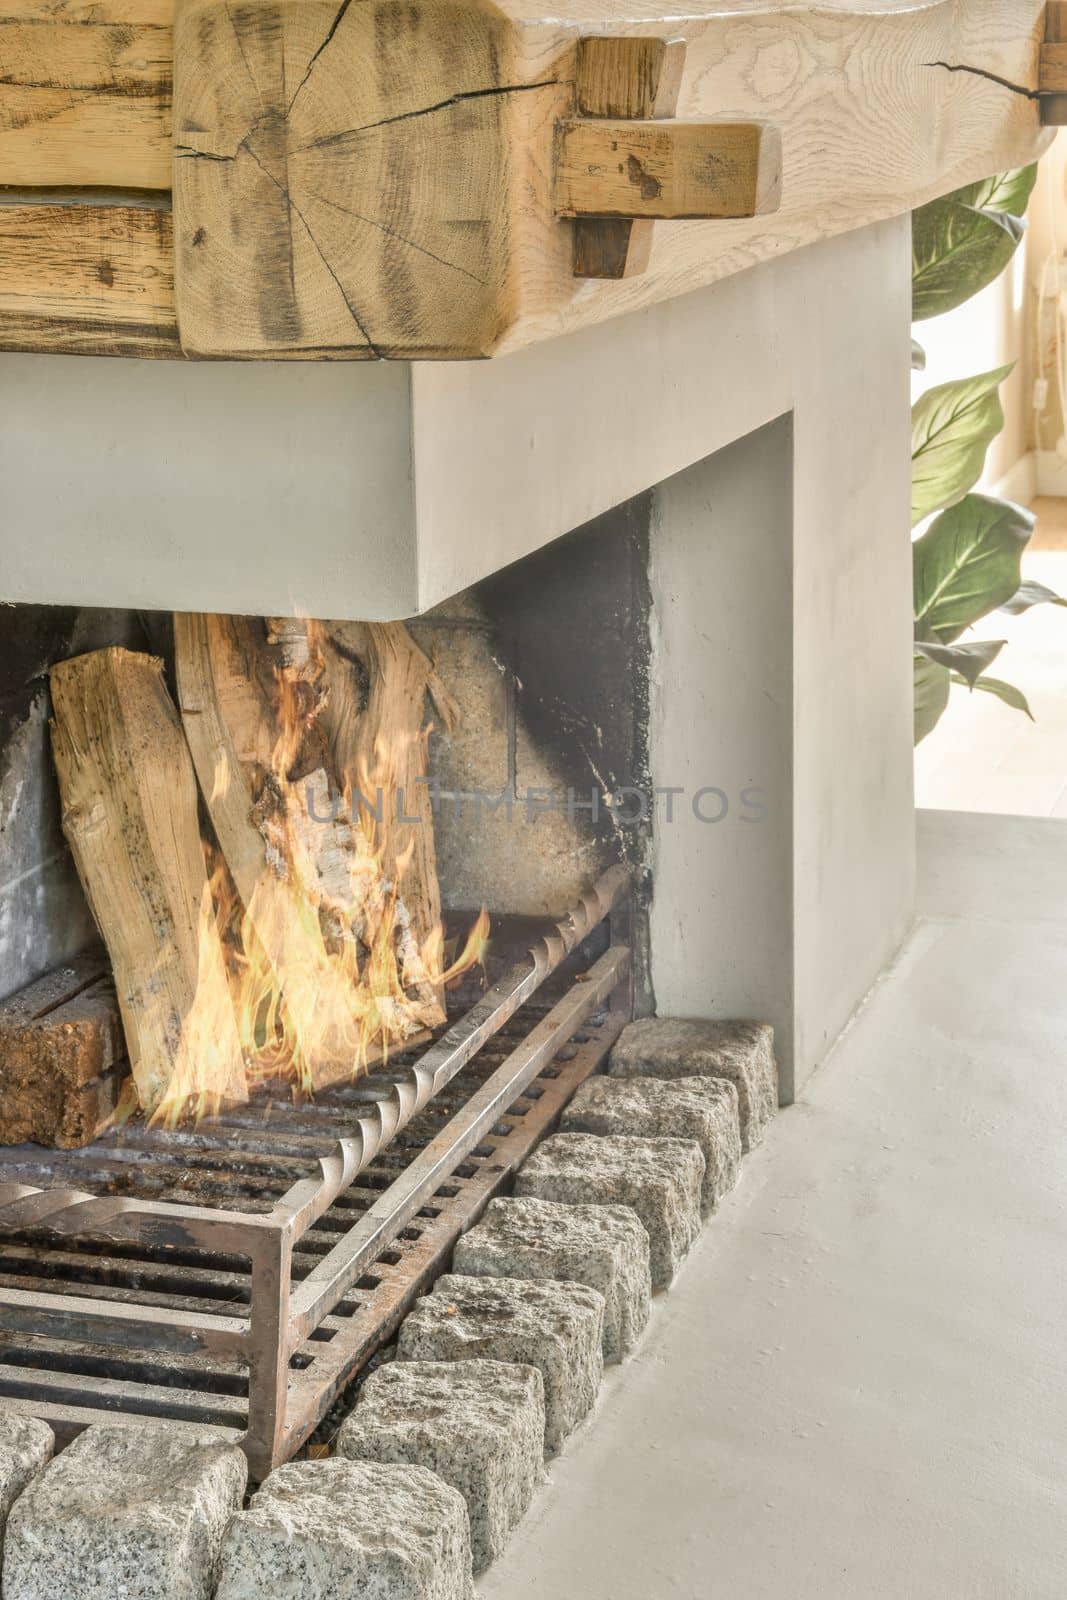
[667,170]
[86,278]
[339,186]
[85,94]
[378,182]
[362,181]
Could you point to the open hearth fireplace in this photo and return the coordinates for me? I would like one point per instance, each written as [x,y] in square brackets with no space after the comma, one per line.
[365,911]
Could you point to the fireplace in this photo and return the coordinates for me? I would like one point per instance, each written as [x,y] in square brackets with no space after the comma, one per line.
[235,1270]
[639,610]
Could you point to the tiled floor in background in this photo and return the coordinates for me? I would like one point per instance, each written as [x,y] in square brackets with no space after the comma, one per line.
[982,756]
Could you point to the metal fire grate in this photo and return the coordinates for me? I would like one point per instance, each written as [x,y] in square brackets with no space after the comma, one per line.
[237,1275]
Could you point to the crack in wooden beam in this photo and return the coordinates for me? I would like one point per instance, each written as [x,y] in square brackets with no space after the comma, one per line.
[334,25]
[283,189]
[990,77]
[392,233]
[425,111]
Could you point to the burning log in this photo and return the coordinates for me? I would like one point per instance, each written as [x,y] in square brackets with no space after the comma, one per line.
[377,683]
[382,747]
[130,815]
[337,964]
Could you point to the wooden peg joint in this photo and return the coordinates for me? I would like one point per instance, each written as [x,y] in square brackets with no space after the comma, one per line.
[625,161]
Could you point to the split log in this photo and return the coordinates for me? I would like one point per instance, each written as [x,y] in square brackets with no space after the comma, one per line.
[62,1057]
[130,815]
[383,744]
[272,787]
[377,683]
[231,732]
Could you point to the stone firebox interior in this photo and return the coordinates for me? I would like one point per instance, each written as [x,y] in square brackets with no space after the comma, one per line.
[540,786]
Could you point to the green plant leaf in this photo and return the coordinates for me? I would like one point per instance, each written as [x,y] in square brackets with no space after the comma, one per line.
[1007,692]
[964,661]
[967,563]
[918,357]
[956,250]
[1005,191]
[1031,594]
[933,683]
[952,427]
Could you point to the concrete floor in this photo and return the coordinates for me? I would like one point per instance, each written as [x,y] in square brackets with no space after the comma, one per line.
[858,1385]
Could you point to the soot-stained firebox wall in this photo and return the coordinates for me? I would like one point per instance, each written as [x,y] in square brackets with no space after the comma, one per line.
[44,919]
[549,661]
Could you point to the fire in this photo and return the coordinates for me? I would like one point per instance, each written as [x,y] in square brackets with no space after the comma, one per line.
[322,974]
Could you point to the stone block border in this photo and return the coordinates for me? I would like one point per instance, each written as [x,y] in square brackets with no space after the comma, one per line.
[440,1458]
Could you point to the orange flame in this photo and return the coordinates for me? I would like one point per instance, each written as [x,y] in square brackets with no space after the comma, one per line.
[323,973]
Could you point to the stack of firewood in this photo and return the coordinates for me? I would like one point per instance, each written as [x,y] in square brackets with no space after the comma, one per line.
[259,860]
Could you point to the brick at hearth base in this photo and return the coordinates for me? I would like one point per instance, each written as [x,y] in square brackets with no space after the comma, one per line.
[604,1247]
[742,1052]
[660,1179]
[480,1425]
[137,1512]
[556,1327]
[349,1530]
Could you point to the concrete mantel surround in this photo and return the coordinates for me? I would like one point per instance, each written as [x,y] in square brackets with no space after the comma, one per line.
[770,412]
[376,491]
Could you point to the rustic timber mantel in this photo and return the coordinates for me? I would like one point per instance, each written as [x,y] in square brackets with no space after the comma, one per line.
[314,179]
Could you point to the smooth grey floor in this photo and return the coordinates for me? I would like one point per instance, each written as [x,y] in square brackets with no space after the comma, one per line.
[858,1385]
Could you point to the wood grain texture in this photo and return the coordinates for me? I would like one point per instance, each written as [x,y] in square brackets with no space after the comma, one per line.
[86,279]
[130,817]
[230,729]
[1053,78]
[666,169]
[85,94]
[334,163]
[341,177]
[881,106]
[632,78]
[374,180]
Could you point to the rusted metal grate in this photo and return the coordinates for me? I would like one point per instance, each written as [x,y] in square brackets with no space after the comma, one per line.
[236,1276]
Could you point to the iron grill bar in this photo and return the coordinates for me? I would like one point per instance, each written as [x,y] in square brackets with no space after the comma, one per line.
[320,1291]
[139,1327]
[63,1209]
[314,1388]
[279,1293]
[307,1200]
